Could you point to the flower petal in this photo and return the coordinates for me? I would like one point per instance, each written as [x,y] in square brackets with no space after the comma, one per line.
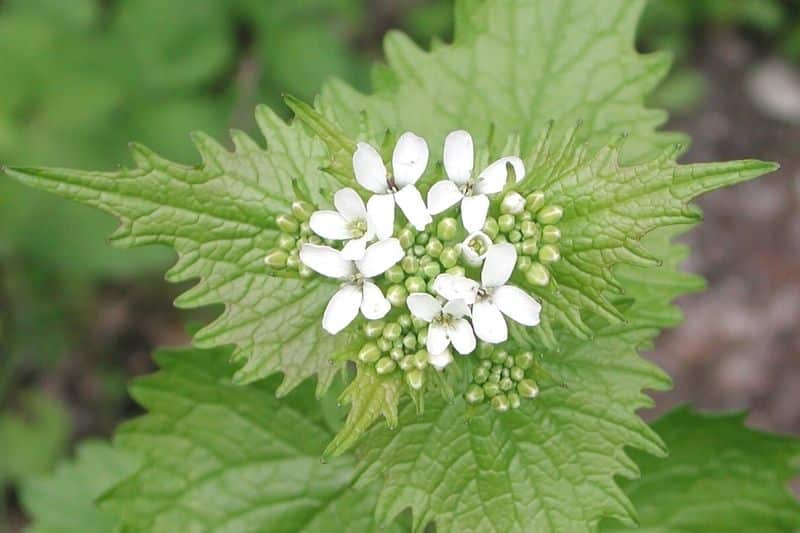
[413,207]
[409,159]
[439,361]
[493,178]
[326,261]
[488,322]
[437,338]
[458,156]
[473,212]
[330,225]
[499,264]
[462,337]
[381,213]
[369,169]
[423,305]
[349,204]
[456,308]
[517,304]
[374,304]
[443,195]
[341,309]
[354,249]
[452,287]
[380,257]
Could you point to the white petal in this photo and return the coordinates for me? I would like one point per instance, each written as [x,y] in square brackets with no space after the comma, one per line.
[369,168]
[409,159]
[349,204]
[354,249]
[413,207]
[380,257]
[342,309]
[456,308]
[493,178]
[373,304]
[443,195]
[517,304]
[499,264]
[326,261]
[488,321]
[458,156]
[473,212]
[437,338]
[329,225]
[469,254]
[381,213]
[439,361]
[452,287]
[462,337]
[514,202]
[423,305]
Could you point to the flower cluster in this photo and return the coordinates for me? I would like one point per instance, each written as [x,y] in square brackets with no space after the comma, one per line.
[429,287]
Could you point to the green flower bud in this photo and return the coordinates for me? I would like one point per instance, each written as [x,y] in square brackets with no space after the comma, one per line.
[449,256]
[315,239]
[422,238]
[506,384]
[504,372]
[422,337]
[480,375]
[551,234]
[385,365]
[397,354]
[410,341]
[517,374]
[385,344]
[513,400]
[374,328]
[549,253]
[302,210]
[293,261]
[431,270]
[491,228]
[474,394]
[500,403]
[513,203]
[434,247]
[506,222]
[499,356]
[305,228]
[529,247]
[534,201]
[487,364]
[276,259]
[415,284]
[456,271]
[515,235]
[392,331]
[304,271]
[529,228]
[369,353]
[287,223]
[525,216]
[405,321]
[508,363]
[407,363]
[418,323]
[395,274]
[406,238]
[491,389]
[415,379]
[287,242]
[537,274]
[494,377]
[523,360]
[419,250]
[485,350]
[523,263]
[397,294]
[421,359]
[527,388]
[447,228]
[550,214]
[410,265]
[500,238]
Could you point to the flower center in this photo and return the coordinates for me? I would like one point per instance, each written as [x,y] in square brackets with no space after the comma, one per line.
[358,227]
[391,183]
[466,189]
[478,245]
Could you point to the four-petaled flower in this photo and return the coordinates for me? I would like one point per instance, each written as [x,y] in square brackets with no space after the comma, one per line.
[409,160]
[462,187]
[448,324]
[492,298]
[358,291]
[349,222]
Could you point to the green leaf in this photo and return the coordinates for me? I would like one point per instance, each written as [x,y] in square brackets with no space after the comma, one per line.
[223,457]
[719,476]
[64,500]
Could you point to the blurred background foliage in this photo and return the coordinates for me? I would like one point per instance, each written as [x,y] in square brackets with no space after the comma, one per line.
[82,78]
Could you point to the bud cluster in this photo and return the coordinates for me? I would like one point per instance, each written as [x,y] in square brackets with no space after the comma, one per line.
[500,379]
[294,233]
[529,225]
[397,345]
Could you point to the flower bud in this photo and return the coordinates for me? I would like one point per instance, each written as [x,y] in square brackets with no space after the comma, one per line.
[410,341]
[407,363]
[508,363]
[513,400]
[549,253]
[529,228]
[523,263]
[287,242]
[515,235]
[434,247]
[397,294]
[506,384]
[474,394]
[491,389]
[447,228]
[385,344]
[499,356]
[500,403]
[537,274]
[410,265]
[415,284]
[404,321]
[523,360]
[276,259]
[534,201]
[485,350]
[385,365]
[373,329]
[406,238]
[550,214]
[517,374]
[302,210]
[305,228]
[422,337]
[513,203]
[293,261]
[530,247]
[422,238]
[431,270]
[551,234]
[287,223]
[474,247]
[397,354]
[491,228]
[395,274]
[369,353]
[392,331]
[415,379]
[304,271]
[480,375]
[527,388]
[418,323]
[449,256]
[419,250]
[421,359]
[506,222]
[456,271]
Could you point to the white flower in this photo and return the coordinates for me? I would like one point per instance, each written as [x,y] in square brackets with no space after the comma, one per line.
[475,247]
[409,160]
[358,291]
[447,324]
[492,298]
[349,222]
[462,187]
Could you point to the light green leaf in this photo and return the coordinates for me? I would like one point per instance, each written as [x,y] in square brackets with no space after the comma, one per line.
[720,476]
[64,500]
[224,457]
